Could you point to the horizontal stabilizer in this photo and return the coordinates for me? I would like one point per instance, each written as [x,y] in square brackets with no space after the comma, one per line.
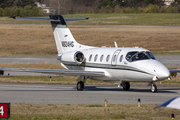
[48,19]
[174,70]
[57,72]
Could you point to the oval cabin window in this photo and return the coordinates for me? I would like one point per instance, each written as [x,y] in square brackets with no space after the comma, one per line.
[90,57]
[101,59]
[95,58]
[107,59]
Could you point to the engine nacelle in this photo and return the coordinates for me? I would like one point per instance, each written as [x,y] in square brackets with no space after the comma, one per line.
[72,58]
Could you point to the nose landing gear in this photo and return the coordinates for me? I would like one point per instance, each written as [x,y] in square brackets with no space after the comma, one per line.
[125,85]
[153,88]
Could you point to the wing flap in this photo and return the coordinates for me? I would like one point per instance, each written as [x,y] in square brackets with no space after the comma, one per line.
[57,72]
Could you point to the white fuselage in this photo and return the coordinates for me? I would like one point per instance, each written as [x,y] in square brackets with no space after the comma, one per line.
[117,67]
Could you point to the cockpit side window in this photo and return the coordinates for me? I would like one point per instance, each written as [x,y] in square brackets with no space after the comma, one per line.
[130,54]
[151,55]
[139,56]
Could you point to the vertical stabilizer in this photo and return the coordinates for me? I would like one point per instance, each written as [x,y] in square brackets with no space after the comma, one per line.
[64,40]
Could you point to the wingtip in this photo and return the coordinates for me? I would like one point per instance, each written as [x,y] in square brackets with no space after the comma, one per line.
[12,17]
[87,18]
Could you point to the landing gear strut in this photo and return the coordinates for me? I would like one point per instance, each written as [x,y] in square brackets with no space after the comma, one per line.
[125,85]
[80,84]
[153,88]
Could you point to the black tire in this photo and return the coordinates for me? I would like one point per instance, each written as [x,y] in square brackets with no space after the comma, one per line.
[126,86]
[153,88]
[1,72]
[80,86]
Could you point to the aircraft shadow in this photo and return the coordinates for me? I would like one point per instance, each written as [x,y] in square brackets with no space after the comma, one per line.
[93,88]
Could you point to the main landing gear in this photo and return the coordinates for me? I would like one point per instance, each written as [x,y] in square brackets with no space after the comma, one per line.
[125,85]
[80,84]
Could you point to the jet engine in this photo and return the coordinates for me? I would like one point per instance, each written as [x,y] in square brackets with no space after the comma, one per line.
[79,57]
[72,57]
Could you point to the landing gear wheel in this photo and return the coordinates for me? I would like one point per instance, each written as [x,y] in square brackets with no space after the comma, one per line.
[80,86]
[153,88]
[126,86]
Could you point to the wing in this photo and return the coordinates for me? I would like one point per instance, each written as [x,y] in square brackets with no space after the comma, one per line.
[57,72]
[174,70]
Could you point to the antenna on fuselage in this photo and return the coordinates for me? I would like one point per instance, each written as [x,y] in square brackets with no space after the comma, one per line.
[115,44]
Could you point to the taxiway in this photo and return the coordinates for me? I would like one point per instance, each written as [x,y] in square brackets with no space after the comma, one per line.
[67,94]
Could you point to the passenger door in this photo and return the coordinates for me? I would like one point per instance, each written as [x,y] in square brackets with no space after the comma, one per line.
[114,57]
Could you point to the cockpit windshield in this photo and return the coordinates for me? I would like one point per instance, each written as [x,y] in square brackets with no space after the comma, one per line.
[134,56]
[151,55]
[139,56]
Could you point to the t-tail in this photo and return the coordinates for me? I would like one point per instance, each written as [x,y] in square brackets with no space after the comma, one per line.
[65,41]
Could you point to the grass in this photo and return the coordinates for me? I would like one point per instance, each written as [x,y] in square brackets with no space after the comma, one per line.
[129,19]
[38,40]
[165,53]
[112,111]
[65,80]
[169,19]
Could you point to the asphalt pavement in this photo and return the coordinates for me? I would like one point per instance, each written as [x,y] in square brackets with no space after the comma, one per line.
[67,94]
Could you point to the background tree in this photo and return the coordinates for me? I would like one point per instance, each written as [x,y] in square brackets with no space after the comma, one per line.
[23,3]
[22,12]
[27,10]
[34,12]
[7,11]
[1,11]
[17,11]
[6,3]
[58,5]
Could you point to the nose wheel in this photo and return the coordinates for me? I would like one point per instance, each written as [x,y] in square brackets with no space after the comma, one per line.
[153,88]
[126,86]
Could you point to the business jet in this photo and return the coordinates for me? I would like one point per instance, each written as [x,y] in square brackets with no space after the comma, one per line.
[110,64]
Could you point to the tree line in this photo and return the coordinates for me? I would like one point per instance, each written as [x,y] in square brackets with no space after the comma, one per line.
[16,3]
[27,11]
[27,8]
[137,6]
[23,8]
[113,6]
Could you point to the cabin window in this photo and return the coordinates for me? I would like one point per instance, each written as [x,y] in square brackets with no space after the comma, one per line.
[95,58]
[90,57]
[101,59]
[107,58]
[130,54]
[120,60]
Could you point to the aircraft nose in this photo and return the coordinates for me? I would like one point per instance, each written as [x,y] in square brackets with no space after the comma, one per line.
[162,73]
